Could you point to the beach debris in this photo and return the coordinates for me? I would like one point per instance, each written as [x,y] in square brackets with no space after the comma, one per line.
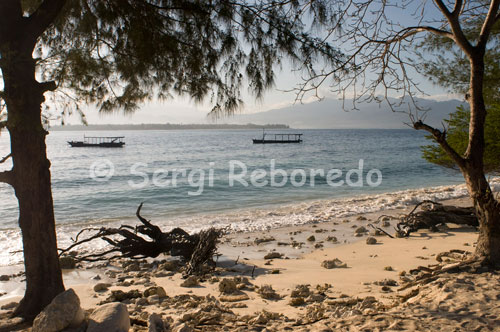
[361,230]
[67,262]
[386,282]
[301,291]
[227,286]
[4,277]
[109,317]
[155,290]
[333,264]
[361,218]
[264,240]
[191,281]
[10,305]
[267,292]
[157,324]
[197,249]
[101,287]
[371,240]
[120,296]
[64,311]
[432,214]
[297,301]
[311,238]
[388,268]
[332,239]
[273,255]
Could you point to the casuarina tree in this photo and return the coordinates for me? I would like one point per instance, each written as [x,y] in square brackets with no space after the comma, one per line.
[380,36]
[116,55]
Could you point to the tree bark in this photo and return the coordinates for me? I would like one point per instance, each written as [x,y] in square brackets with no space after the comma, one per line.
[31,180]
[487,207]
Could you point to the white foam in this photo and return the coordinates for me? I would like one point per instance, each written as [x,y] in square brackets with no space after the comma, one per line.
[256,219]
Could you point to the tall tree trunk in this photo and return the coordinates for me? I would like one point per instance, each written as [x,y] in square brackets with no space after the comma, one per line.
[487,207]
[31,181]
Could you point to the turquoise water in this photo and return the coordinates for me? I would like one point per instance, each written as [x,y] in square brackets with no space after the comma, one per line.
[80,199]
[77,197]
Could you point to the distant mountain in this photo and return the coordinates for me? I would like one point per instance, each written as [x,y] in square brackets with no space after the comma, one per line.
[329,113]
[167,126]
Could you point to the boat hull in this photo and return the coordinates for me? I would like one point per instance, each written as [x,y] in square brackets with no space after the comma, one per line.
[80,144]
[270,141]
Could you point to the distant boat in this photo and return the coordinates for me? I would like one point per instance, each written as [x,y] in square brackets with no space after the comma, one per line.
[99,142]
[278,138]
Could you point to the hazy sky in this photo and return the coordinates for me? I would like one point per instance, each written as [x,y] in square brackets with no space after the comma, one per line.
[184,111]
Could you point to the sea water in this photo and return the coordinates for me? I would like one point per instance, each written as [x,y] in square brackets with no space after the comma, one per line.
[184,179]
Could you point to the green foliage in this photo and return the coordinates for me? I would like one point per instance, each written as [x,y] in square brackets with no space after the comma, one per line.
[451,69]
[118,54]
[458,138]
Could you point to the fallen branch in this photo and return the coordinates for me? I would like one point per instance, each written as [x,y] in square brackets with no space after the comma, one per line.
[432,214]
[197,249]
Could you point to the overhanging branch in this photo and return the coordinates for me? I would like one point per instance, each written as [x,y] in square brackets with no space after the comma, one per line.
[44,16]
[7,177]
[4,159]
[440,137]
[48,86]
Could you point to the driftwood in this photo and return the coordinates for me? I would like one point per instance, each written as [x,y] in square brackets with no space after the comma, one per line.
[197,249]
[432,214]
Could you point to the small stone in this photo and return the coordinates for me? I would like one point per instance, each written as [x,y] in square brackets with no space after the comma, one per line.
[361,230]
[156,323]
[332,239]
[101,287]
[234,297]
[64,311]
[109,317]
[67,262]
[371,240]
[183,328]
[169,266]
[333,264]
[361,218]
[267,292]
[311,238]
[296,301]
[8,306]
[386,224]
[273,255]
[156,290]
[227,286]
[4,277]
[388,268]
[191,281]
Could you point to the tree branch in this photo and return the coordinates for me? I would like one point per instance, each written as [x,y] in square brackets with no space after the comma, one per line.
[4,159]
[44,16]
[7,177]
[440,137]
[488,23]
[48,86]
[458,33]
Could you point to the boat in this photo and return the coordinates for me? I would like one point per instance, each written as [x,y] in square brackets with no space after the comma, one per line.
[278,139]
[100,142]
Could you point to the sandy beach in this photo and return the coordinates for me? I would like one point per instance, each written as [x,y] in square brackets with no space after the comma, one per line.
[294,290]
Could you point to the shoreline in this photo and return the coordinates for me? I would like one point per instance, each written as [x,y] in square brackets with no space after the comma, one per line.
[249,220]
[299,262]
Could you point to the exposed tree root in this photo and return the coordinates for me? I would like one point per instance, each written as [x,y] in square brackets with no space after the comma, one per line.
[432,214]
[126,241]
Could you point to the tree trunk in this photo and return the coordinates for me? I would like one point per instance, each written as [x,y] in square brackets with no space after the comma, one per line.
[31,181]
[487,207]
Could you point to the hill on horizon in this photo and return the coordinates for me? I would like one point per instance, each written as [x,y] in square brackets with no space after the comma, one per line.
[329,114]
